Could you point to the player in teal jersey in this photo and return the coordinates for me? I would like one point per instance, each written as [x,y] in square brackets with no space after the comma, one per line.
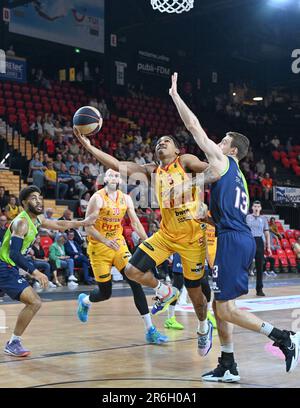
[17,240]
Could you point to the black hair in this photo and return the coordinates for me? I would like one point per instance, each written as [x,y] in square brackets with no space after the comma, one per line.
[256,202]
[176,142]
[26,191]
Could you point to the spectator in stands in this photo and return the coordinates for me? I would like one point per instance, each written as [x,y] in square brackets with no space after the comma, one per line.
[57,129]
[130,152]
[275,236]
[3,227]
[49,214]
[40,261]
[71,162]
[45,159]
[12,209]
[64,177]
[68,215]
[94,167]
[261,167]
[119,152]
[60,145]
[275,142]
[153,228]
[58,162]
[103,109]
[84,203]
[68,131]
[267,184]
[60,187]
[87,178]
[3,198]
[49,145]
[148,154]
[61,260]
[36,170]
[80,188]
[74,251]
[296,248]
[139,159]
[74,148]
[49,127]
[83,163]
[37,129]
[271,260]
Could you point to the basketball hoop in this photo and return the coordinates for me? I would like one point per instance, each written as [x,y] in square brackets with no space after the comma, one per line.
[172,6]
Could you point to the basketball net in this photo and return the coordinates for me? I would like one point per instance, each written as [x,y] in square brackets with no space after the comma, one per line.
[172,6]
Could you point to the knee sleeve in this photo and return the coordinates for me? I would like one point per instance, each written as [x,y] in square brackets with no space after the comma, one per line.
[178,280]
[139,297]
[103,292]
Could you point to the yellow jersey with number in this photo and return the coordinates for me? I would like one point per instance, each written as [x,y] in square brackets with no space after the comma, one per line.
[178,211]
[109,221]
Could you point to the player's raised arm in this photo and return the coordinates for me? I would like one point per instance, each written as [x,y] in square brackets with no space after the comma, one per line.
[62,225]
[134,219]
[94,206]
[109,161]
[210,148]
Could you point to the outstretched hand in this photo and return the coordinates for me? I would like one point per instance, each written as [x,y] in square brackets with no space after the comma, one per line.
[173,89]
[82,139]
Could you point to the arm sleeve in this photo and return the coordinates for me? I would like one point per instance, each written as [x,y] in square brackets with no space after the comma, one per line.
[17,257]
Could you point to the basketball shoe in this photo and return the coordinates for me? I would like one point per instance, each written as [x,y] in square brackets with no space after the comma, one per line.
[173,324]
[162,304]
[291,349]
[205,340]
[16,349]
[212,318]
[153,336]
[82,309]
[224,372]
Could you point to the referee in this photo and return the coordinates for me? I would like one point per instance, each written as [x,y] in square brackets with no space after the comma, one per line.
[259,227]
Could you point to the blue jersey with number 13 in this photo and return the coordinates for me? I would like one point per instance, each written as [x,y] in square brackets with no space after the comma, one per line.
[229,201]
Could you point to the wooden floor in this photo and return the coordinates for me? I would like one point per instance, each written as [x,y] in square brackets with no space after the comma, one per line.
[110,350]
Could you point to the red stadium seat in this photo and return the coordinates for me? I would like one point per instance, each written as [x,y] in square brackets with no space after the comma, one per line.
[285,244]
[297,234]
[289,234]
[46,242]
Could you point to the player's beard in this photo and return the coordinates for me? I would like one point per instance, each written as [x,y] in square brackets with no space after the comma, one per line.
[112,187]
[34,211]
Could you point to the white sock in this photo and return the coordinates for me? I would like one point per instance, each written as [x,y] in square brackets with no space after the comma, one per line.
[86,300]
[171,311]
[147,321]
[162,290]
[203,326]
[266,328]
[227,348]
[13,337]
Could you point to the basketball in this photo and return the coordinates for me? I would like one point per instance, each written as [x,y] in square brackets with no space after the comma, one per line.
[88,120]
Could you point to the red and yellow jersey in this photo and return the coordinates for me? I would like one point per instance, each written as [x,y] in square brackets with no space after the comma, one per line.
[211,244]
[109,221]
[177,213]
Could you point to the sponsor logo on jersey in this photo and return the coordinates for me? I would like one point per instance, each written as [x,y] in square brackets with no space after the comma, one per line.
[149,246]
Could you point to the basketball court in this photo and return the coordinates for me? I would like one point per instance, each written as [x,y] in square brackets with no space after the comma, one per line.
[110,350]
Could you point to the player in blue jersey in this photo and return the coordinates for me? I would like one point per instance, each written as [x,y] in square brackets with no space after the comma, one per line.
[235,248]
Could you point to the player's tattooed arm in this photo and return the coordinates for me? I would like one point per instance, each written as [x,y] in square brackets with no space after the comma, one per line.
[211,174]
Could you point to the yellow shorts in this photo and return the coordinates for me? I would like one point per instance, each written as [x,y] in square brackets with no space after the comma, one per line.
[103,258]
[211,253]
[159,248]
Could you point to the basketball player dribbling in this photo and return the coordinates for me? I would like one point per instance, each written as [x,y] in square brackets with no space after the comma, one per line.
[107,247]
[235,249]
[179,232]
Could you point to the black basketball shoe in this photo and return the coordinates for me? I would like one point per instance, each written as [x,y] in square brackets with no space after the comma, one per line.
[227,373]
[291,349]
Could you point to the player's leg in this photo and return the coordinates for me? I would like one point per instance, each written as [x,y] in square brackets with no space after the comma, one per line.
[227,370]
[207,293]
[149,254]
[171,322]
[18,289]
[230,274]
[193,261]
[101,258]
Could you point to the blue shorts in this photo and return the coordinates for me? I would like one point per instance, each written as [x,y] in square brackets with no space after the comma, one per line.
[11,282]
[177,265]
[235,253]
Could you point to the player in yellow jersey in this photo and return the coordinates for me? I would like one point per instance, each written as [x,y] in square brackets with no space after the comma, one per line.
[107,247]
[179,232]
